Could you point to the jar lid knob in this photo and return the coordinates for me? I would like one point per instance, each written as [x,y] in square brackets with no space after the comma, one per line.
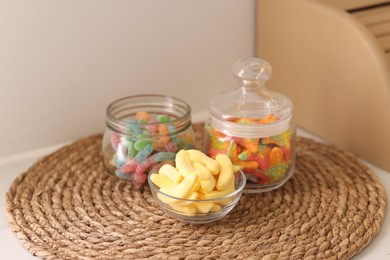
[252,69]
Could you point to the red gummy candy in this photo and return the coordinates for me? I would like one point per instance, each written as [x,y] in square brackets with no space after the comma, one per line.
[286,153]
[142,167]
[138,179]
[129,167]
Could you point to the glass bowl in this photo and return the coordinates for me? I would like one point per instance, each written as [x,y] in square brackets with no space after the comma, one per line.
[197,211]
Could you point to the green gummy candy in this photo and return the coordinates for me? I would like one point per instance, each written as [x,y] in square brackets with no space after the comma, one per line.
[141,121]
[140,144]
[180,143]
[144,135]
[278,170]
[243,156]
[132,152]
[162,118]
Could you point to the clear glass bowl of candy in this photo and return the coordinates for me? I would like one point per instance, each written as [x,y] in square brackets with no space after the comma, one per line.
[253,126]
[195,188]
[142,131]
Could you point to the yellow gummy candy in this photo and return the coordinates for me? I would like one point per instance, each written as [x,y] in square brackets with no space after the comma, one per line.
[226,176]
[170,172]
[196,187]
[225,201]
[183,163]
[206,179]
[172,201]
[215,208]
[203,207]
[207,185]
[203,172]
[193,196]
[209,163]
[189,210]
[162,181]
[184,188]
[166,199]
[217,194]
[236,168]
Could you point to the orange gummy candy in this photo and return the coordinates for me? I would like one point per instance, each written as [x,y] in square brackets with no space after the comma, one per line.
[163,129]
[275,156]
[267,120]
[142,116]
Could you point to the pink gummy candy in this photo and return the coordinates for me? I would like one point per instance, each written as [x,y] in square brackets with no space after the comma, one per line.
[142,167]
[138,179]
[171,147]
[129,167]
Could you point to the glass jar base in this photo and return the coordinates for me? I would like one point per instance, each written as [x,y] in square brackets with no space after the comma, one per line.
[197,220]
[258,188]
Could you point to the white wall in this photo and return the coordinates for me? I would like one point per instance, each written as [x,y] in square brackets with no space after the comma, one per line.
[62,62]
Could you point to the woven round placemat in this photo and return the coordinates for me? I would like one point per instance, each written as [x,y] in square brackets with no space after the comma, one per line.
[67,207]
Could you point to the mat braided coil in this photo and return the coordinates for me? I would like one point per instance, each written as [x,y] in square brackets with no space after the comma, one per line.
[67,207]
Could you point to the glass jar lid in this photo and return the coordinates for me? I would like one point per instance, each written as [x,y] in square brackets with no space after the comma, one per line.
[251,109]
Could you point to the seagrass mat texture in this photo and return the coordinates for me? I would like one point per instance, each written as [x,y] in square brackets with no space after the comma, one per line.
[67,207]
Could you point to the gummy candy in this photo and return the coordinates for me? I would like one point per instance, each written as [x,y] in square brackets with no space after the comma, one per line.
[265,160]
[144,141]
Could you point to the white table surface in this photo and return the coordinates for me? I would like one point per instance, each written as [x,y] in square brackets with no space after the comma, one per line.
[12,166]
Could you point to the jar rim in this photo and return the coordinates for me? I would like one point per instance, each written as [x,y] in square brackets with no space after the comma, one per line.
[119,111]
[250,131]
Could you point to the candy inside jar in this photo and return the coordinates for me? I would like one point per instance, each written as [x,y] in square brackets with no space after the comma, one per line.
[252,125]
[143,131]
[266,161]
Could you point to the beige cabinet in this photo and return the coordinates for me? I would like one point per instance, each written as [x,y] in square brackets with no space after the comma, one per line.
[332,58]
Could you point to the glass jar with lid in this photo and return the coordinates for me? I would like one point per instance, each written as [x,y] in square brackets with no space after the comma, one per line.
[253,126]
[143,130]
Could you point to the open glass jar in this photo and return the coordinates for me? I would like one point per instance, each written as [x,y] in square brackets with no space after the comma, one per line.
[253,126]
[142,131]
